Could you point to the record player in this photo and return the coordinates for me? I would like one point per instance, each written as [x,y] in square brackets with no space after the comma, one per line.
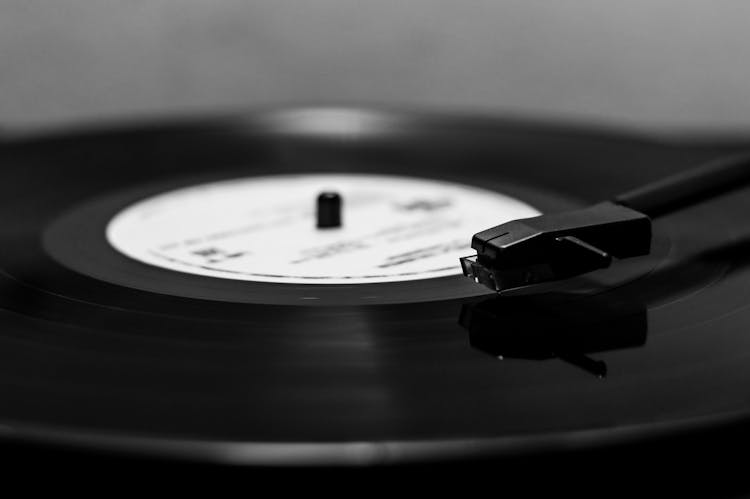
[284,289]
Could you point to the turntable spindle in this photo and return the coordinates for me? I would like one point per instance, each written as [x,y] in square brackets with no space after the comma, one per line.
[329,210]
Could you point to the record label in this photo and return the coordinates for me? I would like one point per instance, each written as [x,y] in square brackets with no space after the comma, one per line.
[264,228]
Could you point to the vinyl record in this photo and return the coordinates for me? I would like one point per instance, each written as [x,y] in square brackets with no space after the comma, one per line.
[139,317]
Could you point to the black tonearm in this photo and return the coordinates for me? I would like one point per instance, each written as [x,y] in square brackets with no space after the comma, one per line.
[562,245]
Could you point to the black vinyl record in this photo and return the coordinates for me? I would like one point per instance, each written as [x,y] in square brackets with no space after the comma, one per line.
[100,351]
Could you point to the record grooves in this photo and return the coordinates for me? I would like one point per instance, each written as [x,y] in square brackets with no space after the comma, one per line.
[102,351]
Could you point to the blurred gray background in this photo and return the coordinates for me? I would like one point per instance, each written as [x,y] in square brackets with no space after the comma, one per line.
[644,63]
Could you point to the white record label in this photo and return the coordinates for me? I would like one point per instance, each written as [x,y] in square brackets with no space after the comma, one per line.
[264,228]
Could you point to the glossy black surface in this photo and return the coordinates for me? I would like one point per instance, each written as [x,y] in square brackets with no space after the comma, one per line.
[88,360]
